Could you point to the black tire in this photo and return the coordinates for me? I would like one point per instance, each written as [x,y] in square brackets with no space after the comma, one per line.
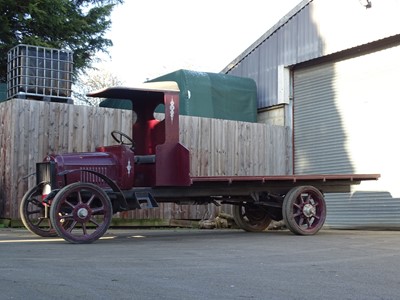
[304,210]
[250,217]
[33,213]
[81,213]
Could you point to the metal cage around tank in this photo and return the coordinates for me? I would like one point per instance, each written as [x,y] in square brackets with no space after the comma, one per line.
[39,73]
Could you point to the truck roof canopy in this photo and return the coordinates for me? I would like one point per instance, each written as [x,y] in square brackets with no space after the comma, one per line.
[120,92]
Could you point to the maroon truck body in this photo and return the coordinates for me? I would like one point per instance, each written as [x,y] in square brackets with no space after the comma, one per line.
[77,193]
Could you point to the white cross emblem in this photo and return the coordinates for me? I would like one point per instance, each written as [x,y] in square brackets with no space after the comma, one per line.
[172,109]
[129,167]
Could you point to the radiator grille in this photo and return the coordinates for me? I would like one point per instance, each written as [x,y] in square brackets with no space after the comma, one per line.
[93,178]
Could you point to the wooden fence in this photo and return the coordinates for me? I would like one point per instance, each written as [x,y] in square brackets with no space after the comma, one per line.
[32,129]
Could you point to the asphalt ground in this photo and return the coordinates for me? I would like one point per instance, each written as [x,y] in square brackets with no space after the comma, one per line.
[202,264]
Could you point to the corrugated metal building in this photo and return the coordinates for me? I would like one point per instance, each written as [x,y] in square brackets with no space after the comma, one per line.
[330,70]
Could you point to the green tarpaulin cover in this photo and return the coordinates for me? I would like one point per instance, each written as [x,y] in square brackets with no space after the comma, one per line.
[211,95]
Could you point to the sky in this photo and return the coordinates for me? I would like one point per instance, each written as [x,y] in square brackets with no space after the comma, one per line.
[155,37]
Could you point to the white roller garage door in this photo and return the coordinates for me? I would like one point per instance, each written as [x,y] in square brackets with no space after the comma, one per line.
[347,120]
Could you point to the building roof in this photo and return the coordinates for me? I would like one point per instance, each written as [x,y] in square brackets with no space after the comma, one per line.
[266,35]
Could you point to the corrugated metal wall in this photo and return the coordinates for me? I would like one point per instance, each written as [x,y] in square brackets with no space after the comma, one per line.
[319,133]
[284,45]
[346,121]
[312,29]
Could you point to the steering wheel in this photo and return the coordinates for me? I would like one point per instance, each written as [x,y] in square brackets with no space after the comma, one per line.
[119,136]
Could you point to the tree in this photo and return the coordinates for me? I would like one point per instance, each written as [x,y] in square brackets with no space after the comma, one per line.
[77,25]
[94,80]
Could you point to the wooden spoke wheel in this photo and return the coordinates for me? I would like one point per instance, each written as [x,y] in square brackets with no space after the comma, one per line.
[81,213]
[35,214]
[304,210]
[250,217]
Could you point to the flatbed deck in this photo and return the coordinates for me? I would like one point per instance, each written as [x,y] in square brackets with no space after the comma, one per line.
[206,186]
[287,178]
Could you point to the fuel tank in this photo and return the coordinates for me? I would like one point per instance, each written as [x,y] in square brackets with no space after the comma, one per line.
[115,162]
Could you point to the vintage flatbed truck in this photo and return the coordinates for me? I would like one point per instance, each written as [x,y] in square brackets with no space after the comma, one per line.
[76,194]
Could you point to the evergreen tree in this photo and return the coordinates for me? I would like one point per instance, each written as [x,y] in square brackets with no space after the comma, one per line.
[77,25]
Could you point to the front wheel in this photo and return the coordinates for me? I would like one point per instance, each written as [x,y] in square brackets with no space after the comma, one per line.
[35,214]
[81,213]
[250,217]
[304,210]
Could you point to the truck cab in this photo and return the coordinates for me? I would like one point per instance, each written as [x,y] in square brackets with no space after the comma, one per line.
[149,156]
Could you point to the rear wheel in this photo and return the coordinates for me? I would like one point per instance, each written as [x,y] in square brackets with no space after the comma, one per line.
[250,217]
[85,208]
[35,214]
[304,210]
